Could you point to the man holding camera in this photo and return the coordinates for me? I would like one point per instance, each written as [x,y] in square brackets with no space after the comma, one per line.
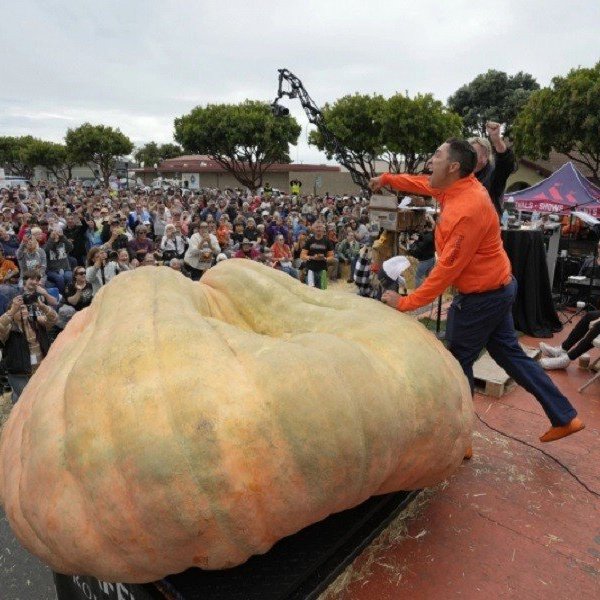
[24,334]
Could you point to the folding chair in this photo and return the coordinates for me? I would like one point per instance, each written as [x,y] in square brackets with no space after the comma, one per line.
[596,342]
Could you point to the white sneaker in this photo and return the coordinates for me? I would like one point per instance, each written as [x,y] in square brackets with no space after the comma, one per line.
[556,362]
[548,350]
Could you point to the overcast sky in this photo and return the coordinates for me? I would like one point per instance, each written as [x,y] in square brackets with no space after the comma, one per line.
[138,65]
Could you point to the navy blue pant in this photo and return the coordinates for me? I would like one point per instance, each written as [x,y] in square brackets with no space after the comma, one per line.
[477,321]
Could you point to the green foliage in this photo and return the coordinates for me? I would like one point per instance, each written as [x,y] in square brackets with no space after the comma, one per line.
[13,155]
[403,131]
[412,129]
[53,157]
[98,145]
[355,120]
[564,117]
[151,153]
[244,138]
[492,96]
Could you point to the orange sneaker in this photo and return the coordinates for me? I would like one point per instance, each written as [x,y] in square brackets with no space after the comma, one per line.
[468,453]
[556,433]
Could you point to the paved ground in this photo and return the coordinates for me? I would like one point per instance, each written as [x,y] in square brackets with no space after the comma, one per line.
[512,523]
[22,576]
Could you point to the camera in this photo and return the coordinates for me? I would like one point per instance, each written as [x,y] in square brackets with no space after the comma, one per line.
[29,299]
[279,111]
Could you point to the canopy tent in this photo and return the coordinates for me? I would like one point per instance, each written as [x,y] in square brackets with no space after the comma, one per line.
[565,190]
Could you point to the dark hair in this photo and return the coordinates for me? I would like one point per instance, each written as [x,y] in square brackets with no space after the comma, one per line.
[462,152]
[31,274]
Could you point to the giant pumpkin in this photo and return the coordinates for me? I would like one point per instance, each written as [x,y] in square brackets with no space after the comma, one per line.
[175,424]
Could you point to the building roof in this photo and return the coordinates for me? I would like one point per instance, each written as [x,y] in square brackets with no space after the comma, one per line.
[198,163]
[554,162]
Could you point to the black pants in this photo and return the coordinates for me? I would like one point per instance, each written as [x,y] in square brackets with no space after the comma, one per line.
[195,274]
[477,321]
[581,338]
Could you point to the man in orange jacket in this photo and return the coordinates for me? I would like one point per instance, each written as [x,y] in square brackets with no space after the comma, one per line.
[471,257]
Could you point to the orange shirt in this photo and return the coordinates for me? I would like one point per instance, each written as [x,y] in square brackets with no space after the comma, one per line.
[469,247]
[6,267]
[281,252]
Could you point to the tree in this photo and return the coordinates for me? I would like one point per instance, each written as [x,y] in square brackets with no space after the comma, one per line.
[245,139]
[53,157]
[13,155]
[151,153]
[355,120]
[494,96]
[98,146]
[564,117]
[412,129]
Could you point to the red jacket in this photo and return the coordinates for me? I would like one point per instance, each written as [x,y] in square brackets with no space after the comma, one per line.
[469,247]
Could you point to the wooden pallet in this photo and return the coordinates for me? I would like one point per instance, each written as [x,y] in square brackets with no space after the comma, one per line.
[490,379]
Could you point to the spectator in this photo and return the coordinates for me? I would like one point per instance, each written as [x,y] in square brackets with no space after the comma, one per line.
[93,235]
[78,295]
[161,217]
[493,168]
[121,261]
[196,256]
[75,232]
[140,245]
[317,252]
[238,234]
[24,334]
[8,269]
[347,253]
[113,234]
[9,242]
[224,231]
[58,271]
[175,264]
[579,341]
[282,256]
[31,257]
[247,250]
[138,216]
[150,261]
[297,248]
[423,249]
[251,232]
[173,243]
[98,272]
[275,228]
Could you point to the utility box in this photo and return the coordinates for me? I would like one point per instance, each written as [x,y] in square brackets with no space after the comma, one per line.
[379,201]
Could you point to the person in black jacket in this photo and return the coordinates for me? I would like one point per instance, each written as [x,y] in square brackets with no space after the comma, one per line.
[423,249]
[493,168]
[24,334]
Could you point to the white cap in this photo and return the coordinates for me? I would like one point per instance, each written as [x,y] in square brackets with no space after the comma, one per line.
[395,266]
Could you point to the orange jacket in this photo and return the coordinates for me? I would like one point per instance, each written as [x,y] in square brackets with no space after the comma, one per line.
[470,252]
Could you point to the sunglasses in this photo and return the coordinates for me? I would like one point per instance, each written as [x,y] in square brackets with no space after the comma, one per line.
[79,272]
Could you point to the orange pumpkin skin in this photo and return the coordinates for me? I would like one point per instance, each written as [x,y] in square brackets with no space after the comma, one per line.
[176,424]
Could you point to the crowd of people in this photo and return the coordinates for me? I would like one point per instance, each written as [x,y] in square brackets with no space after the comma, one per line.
[60,244]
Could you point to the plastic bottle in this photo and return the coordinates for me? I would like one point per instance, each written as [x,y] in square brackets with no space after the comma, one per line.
[505,219]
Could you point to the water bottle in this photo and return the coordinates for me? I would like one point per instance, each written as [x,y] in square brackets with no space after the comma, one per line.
[505,219]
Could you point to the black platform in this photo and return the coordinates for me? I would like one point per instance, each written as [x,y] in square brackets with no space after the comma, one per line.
[298,567]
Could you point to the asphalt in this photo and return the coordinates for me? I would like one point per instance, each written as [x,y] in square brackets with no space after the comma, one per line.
[22,575]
